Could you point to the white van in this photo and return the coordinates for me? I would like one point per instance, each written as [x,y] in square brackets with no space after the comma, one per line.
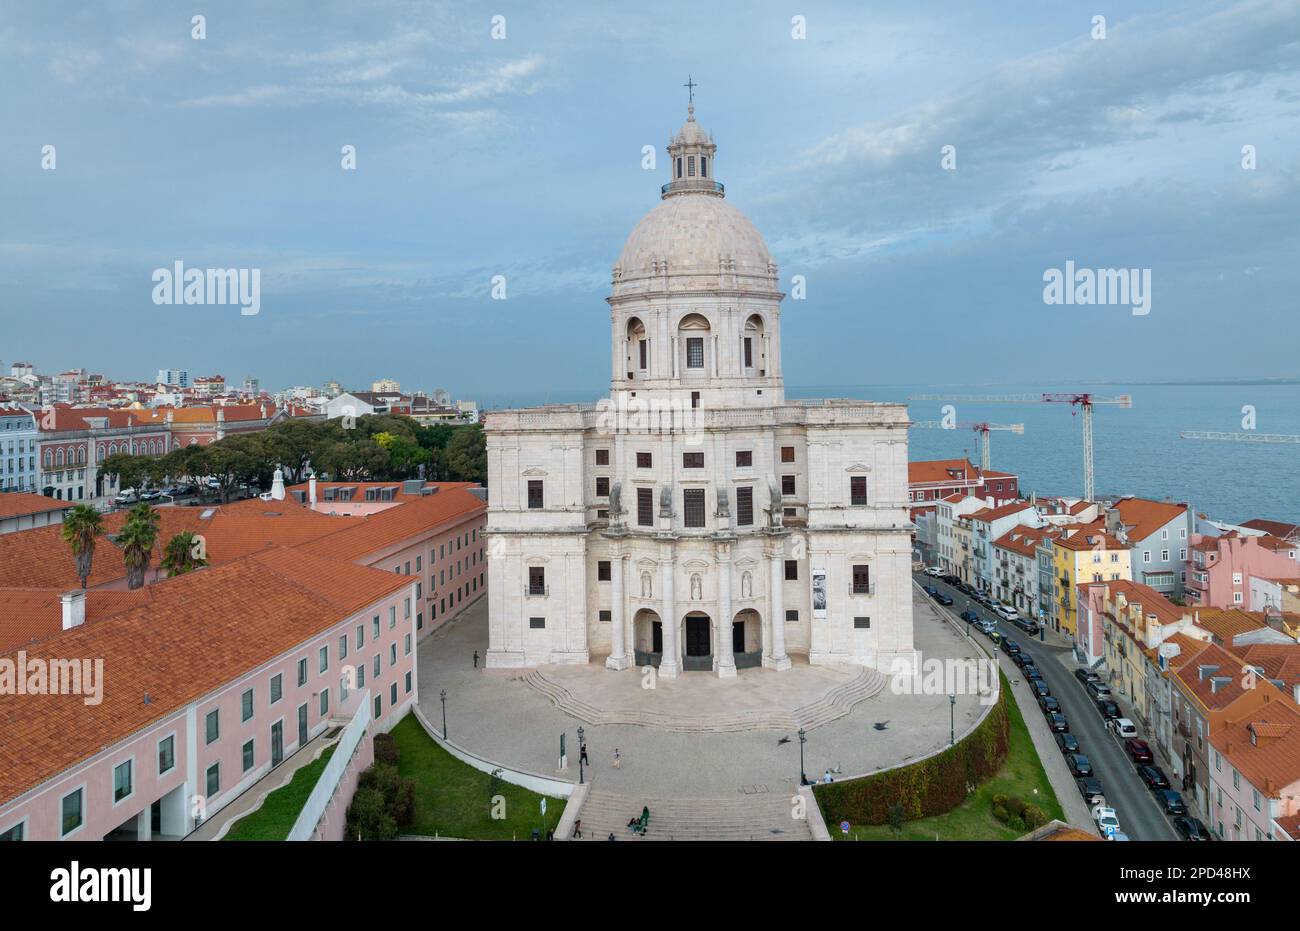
[1123,728]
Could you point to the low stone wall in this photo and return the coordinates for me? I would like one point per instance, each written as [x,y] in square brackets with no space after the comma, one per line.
[543,785]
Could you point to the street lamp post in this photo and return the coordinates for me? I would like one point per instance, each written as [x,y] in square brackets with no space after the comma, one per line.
[952,720]
[582,751]
[443,695]
[803,778]
[968,614]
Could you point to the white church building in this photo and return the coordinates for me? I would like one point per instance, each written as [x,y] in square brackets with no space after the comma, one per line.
[696,520]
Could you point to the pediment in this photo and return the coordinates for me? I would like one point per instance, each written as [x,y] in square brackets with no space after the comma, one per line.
[533,471]
[858,467]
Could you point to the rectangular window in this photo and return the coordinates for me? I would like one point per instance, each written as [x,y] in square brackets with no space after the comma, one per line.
[374,628]
[749,353]
[861,580]
[643,347]
[744,458]
[122,781]
[537,623]
[695,352]
[212,725]
[325,700]
[277,687]
[602,486]
[534,493]
[787,484]
[536,580]
[690,166]
[323,659]
[693,501]
[695,400]
[602,571]
[407,645]
[392,654]
[792,570]
[644,460]
[15,833]
[408,683]
[248,756]
[379,706]
[246,705]
[213,780]
[787,454]
[692,460]
[72,814]
[645,507]
[602,457]
[605,617]
[392,694]
[792,616]
[166,755]
[302,671]
[862,623]
[857,490]
[744,507]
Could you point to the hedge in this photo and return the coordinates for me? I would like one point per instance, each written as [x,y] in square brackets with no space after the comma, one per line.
[932,786]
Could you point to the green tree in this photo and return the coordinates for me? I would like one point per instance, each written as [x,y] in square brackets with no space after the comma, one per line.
[467,455]
[368,818]
[137,537]
[81,527]
[405,455]
[184,553]
[130,471]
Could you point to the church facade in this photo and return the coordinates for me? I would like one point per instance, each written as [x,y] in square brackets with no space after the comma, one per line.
[696,520]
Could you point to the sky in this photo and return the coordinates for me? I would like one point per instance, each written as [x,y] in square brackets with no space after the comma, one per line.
[521,156]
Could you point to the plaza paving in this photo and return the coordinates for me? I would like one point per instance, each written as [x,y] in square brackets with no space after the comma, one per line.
[500,717]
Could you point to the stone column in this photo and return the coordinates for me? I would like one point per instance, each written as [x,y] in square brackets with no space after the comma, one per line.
[618,658]
[726,657]
[670,665]
[776,606]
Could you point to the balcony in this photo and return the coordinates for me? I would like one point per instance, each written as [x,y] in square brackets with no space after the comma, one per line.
[858,589]
[683,185]
[537,591]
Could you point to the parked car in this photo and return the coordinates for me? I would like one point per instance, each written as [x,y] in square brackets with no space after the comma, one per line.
[153,494]
[1107,821]
[1090,789]
[1039,688]
[1068,743]
[1098,690]
[1028,626]
[969,616]
[126,496]
[1079,764]
[1191,828]
[1023,659]
[1010,647]
[952,580]
[1171,802]
[1122,727]
[1006,613]
[943,600]
[1030,672]
[1154,777]
[1056,722]
[934,571]
[1138,750]
[1086,675]
[986,626]
[1108,709]
[1048,704]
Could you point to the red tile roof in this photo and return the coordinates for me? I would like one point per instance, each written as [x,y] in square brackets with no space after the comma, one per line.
[1144,517]
[1264,746]
[19,504]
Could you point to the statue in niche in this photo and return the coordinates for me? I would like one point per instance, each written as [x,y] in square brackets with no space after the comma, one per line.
[746,585]
[666,501]
[615,501]
[775,511]
[696,587]
[647,586]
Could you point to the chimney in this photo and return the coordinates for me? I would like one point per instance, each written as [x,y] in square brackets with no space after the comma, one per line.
[74,608]
[263,410]
[277,485]
[311,489]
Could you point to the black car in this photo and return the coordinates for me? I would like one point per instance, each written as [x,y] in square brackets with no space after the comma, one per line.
[1030,672]
[1010,647]
[1171,802]
[1049,705]
[1154,777]
[943,600]
[1039,688]
[1108,709]
[1085,675]
[1028,626]
[969,616]
[1191,828]
[1022,659]
[1068,743]
[1079,764]
[1090,789]
[951,580]
[1057,723]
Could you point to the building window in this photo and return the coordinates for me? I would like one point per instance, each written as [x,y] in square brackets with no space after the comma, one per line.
[692,460]
[122,781]
[72,814]
[166,754]
[534,494]
[787,484]
[602,570]
[645,506]
[536,580]
[695,352]
[537,623]
[602,486]
[744,459]
[693,500]
[605,617]
[277,687]
[14,834]
[248,755]
[212,726]
[857,490]
[787,454]
[323,659]
[862,623]
[325,699]
[792,616]
[861,580]
[744,506]
[213,780]
[246,705]
[695,400]
[644,460]
[602,457]
[643,347]
[302,671]
[749,353]
[690,166]
[792,570]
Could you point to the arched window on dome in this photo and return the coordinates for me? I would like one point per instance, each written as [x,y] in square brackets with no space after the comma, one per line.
[693,337]
[638,348]
[753,349]
[679,166]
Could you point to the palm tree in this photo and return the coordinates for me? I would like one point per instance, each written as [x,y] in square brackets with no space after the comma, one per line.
[136,539]
[81,526]
[184,553]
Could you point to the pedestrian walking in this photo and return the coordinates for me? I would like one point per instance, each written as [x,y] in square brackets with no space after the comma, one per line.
[476,659]
[582,754]
[618,760]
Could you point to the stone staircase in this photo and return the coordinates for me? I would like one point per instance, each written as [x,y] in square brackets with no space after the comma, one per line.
[834,703]
[762,816]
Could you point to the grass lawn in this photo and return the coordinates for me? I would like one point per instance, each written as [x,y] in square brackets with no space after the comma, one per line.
[281,808]
[453,799]
[1021,775]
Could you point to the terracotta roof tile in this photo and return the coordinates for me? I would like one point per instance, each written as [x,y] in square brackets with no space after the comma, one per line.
[19,504]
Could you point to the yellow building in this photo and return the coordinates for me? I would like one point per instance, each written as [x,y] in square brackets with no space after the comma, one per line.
[1080,556]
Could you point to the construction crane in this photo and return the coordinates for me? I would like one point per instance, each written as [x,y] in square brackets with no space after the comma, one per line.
[1083,399]
[980,427]
[1239,437]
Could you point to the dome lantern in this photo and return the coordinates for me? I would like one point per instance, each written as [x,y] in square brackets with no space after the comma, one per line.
[690,158]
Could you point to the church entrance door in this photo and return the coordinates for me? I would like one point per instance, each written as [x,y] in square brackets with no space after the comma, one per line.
[657,638]
[699,649]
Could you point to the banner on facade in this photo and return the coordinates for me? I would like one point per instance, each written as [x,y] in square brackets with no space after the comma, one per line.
[819,592]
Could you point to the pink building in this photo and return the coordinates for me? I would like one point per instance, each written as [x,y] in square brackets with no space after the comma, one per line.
[1255,774]
[1219,568]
